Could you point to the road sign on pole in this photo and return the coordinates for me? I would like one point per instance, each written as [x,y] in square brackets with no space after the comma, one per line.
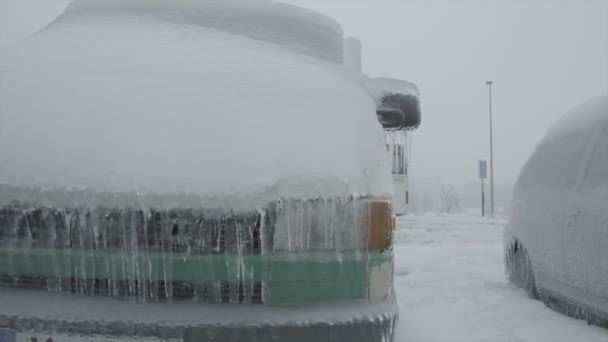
[483,169]
[483,174]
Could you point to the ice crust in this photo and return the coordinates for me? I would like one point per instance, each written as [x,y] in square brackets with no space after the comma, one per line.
[382,86]
[46,312]
[184,104]
[141,96]
[559,215]
[558,156]
[581,118]
[352,54]
[297,28]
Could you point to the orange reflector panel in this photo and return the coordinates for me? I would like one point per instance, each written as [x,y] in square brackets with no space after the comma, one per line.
[381,225]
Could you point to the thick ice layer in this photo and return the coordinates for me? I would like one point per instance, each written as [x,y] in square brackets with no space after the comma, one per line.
[295,252]
[559,217]
[297,28]
[111,99]
[352,54]
[46,313]
[382,86]
[557,158]
[581,118]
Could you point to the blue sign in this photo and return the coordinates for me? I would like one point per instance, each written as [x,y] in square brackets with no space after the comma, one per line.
[8,335]
[483,169]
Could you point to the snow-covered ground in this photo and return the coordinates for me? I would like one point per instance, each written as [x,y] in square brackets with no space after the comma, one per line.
[451,287]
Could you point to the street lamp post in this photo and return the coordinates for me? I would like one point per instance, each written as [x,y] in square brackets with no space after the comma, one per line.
[489,84]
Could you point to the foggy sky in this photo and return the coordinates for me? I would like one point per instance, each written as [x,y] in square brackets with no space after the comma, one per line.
[543,56]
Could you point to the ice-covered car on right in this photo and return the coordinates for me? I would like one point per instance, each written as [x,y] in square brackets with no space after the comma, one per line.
[556,241]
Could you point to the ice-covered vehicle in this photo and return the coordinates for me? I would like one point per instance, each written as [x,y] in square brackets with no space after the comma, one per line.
[159,158]
[556,241]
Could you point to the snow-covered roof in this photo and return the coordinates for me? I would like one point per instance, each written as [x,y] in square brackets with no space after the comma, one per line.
[296,28]
[114,102]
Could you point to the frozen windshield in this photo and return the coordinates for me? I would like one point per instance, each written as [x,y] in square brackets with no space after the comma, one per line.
[555,162]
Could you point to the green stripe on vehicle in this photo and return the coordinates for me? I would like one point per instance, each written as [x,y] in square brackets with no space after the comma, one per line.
[304,278]
[87,264]
[294,278]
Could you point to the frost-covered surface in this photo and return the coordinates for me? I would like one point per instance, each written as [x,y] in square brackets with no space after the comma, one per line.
[40,304]
[67,337]
[45,312]
[115,99]
[581,118]
[297,28]
[559,212]
[451,287]
[382,86]
[352,54]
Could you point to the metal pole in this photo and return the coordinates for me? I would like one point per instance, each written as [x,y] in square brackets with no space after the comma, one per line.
[483,200]
[489,83]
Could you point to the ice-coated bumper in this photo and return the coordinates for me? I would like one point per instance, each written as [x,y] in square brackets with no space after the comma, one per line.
[76,318]
[313,269]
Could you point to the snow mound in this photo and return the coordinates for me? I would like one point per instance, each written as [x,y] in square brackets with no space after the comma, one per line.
[132,96]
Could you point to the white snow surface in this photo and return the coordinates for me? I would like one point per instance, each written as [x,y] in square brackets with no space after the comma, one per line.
[450,282]
[110,99]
